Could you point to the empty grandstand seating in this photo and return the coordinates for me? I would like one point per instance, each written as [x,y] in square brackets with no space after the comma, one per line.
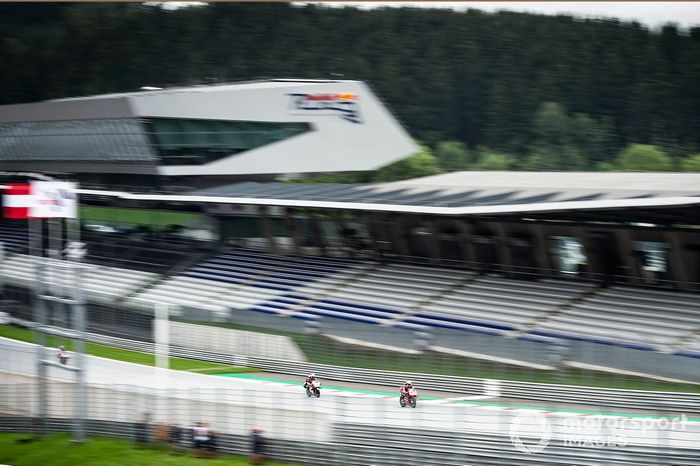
[382,293]
[132,256]
[13,238]
[100,283]
[241,278]
[651,317]
[692,346]
[498,303]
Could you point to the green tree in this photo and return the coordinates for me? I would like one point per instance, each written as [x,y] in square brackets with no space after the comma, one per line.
[452,156]
[424,163]
[644,157]
[691,163]
[554,146]
[494,161]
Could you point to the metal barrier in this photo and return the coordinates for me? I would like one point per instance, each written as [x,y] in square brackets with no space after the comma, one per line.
[513,390]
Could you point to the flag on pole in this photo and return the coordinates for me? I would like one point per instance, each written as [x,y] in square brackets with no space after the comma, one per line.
[41,199]
[17,200]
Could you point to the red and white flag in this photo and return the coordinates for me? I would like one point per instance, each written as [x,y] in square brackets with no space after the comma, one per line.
[40,199]
[17,200]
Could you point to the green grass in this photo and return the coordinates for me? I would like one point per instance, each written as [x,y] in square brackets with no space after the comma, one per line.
[133,217]
[57,450]
[201,367]
[322,350]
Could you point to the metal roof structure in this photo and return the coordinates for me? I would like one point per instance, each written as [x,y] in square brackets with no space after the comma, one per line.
[462,193]
[472,189]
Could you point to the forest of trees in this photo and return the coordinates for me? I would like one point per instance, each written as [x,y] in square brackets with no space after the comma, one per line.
[478,90]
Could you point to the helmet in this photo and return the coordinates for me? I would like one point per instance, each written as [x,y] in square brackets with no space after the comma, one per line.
[312,375]
[61,347]
[408,382]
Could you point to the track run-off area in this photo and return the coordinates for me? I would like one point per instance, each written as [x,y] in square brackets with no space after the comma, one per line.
[232,403]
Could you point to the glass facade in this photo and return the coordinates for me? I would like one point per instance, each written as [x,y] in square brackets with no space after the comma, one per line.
[195,142]
[167,141]
[75,141]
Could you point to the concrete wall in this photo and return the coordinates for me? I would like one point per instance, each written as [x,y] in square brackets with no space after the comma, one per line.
[236,342]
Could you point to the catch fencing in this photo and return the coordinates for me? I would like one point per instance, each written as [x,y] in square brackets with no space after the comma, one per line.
[345,428]
[675,402]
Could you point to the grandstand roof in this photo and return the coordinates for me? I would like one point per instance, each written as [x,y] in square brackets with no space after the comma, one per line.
[471,189]
[465,193]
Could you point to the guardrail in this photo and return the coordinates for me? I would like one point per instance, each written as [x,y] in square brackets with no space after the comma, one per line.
[394,447]
[362,445]
[678,402]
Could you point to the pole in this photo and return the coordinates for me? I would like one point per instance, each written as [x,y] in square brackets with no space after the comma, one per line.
[79,327]
[36,248]
[161,335]
[2,271]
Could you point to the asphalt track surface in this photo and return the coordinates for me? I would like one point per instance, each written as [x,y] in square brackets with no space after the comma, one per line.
[358,403]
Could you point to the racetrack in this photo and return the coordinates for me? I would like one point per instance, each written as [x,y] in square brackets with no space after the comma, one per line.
[123,391]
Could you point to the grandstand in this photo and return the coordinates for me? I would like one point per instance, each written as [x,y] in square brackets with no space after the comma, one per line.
[608,259]
[452,253]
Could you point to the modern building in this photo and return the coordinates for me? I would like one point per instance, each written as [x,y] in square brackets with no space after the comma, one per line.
[248,130]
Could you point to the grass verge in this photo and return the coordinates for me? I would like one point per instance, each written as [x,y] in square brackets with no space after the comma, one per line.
[133,217]
[322,350]
[56,450]
[181,364]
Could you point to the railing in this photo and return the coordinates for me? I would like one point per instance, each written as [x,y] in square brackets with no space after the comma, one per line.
[512,390]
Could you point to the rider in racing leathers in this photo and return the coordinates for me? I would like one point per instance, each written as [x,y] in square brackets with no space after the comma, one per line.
[309,379]
[405,388]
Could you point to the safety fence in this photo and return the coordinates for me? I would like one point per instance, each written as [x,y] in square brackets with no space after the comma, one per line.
[505,389]
[348,429]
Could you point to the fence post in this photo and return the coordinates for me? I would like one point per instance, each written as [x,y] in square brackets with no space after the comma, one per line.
[161,335]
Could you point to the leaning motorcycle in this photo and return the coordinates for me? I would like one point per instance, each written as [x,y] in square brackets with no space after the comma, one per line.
[409,399]
[313,389]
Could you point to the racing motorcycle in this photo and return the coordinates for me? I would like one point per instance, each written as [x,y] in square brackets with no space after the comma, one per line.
[409,399]
[313,389]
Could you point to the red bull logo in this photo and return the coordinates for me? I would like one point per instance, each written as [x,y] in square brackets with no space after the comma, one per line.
[346,103]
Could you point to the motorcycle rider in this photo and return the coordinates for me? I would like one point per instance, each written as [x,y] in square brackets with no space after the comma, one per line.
[311,378]
[62,354]
[405,388]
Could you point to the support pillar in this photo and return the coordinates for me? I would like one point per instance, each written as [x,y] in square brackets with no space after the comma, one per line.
[504,252]
[467,242]
[398,237]
[291,223]
[540,243]
[676,261]
[629,261]
[266,227]
[433,246]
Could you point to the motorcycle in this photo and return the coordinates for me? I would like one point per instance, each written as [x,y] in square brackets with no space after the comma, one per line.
[314,389]
[408,398]
[62,358]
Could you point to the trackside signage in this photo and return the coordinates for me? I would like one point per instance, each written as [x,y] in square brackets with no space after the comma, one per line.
[40,199]
[345,104]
